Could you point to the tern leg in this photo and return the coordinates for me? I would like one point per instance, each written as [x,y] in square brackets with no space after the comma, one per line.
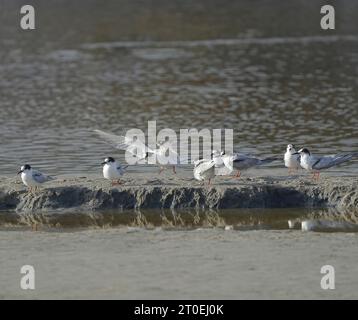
[161,169]
[316,175]
[237,175]
[174,171]
[116,183]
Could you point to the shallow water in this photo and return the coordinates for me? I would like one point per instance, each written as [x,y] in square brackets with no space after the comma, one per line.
[321,220]
[204,65]
[198,264]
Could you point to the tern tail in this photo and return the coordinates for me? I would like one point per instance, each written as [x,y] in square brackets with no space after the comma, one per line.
[269,160]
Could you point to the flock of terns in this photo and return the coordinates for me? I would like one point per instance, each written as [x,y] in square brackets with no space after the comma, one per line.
[220,163]
[205,169]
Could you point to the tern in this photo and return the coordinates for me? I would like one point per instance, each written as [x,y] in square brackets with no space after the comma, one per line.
[316,164]
[222,163]
[141,151]
[112,170]
[291,159]
[32,178]
[240,161]
[204,169]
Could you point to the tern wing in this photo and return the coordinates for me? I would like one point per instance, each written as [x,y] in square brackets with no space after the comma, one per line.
[243,161]
[166,146]
[39,177]
[228,161]
[240,157]
[268,160]
[331,161]
[205,165]
[119,142]
[198,162]
[204,162]
[137,148]
[172,147]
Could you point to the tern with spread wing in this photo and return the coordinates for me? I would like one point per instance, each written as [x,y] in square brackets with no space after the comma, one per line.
[164,151]
[204,169]
[134,147]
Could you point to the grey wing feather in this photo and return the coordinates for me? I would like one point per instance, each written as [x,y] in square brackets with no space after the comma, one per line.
[240,157]
[119,142]
[40,178]
[242,161]
[136,148]
[331,161]
[268,160]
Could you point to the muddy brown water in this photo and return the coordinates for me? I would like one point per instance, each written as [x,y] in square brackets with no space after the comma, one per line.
[211,64]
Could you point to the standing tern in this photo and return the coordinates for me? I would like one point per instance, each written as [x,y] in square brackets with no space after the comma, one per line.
[204,169]
[222,163]
[316,164]
[112,170]
[32,178]
[240,161]
[167,150]
[291,159]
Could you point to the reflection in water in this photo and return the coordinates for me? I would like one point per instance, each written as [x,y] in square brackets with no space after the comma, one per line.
[240,220]
[327,220]
[328,226]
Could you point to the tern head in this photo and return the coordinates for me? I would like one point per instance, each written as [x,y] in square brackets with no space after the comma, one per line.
[24,168]
[291,148]
[215,154]
[303,151]
[108,160]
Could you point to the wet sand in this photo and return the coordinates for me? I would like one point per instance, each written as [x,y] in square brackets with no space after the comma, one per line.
[151,191]
[129,263]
